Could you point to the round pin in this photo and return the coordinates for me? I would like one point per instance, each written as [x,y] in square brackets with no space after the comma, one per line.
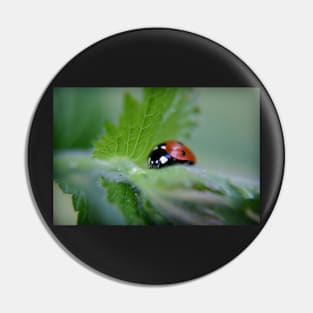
[155,156]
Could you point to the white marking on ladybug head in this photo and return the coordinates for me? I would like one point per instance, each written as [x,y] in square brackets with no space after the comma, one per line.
[163,147]
[163,159]
[155,148]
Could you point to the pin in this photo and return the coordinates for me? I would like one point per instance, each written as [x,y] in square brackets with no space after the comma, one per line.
[175,141]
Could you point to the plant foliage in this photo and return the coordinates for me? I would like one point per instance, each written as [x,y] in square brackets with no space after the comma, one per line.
[116,173]
[163,114]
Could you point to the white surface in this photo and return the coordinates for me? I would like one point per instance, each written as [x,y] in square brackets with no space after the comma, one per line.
[274,38]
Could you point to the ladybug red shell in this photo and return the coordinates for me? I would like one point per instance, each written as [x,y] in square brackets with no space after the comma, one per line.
[169,153]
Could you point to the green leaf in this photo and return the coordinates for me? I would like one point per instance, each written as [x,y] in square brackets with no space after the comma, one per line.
[190,195]
[136,209]
[78,174]
[174,195]
[163,114]
[126,198]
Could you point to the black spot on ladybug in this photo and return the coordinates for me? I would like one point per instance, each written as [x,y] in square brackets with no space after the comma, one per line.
[183,152]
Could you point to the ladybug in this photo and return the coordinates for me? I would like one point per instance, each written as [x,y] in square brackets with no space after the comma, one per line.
[169,153]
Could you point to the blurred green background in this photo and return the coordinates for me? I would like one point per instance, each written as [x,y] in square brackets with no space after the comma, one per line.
[226,140]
